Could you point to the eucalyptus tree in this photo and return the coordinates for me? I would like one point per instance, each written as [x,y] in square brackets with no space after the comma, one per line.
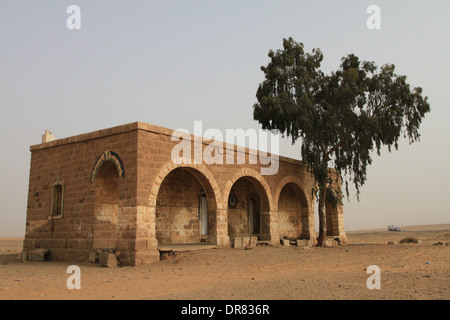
[340,118]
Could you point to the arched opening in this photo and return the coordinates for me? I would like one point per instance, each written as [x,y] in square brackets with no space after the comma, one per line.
[57,201]
[293,212]
[185,209]
[248,209]
[106,205]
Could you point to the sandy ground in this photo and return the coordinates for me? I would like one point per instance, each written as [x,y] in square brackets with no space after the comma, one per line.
[408,271]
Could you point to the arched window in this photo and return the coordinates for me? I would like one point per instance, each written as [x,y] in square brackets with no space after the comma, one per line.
[57,201]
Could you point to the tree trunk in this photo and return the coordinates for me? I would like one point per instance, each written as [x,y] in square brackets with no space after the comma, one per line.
[322,216]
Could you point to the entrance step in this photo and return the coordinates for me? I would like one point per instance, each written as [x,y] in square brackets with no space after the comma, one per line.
[168,251]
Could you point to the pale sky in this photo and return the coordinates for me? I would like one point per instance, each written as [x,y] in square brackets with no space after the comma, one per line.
[170,63]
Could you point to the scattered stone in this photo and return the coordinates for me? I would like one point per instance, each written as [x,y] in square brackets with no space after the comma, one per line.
[93,256]
[24,255]
[39,254]
[438,244]
[164,256]
[107,259]
[331,243]
[428,262]
[304,243]
[391,243]
[237,243]
[248,248]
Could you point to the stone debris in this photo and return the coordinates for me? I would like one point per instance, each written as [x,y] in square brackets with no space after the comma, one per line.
[93,256]
[105,257]
[245,242]
[38,254]
[304,243]
[237,243]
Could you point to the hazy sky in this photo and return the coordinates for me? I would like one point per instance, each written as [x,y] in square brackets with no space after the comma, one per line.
[170,63]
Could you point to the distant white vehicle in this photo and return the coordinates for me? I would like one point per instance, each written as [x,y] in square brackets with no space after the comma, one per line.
[394,228]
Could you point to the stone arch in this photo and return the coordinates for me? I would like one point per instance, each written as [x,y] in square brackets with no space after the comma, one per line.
[253,175]
[200,171]
[295,181]
[108,156]
[247,182]
[295,215]
[169,218]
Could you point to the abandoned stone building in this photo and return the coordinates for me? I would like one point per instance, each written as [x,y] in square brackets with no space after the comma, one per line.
[119,188]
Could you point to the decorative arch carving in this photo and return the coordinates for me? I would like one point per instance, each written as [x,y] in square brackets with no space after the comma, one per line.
[108,156]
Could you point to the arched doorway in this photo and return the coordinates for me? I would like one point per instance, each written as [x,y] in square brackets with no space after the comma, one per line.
[293,219]
[185,211]
[248,211]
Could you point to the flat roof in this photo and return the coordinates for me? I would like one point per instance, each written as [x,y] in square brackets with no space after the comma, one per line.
[134,126]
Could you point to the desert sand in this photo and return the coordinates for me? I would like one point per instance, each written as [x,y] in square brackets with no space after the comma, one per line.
[408,271]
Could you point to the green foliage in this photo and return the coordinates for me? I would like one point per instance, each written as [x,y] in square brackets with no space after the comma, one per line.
[341,117]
